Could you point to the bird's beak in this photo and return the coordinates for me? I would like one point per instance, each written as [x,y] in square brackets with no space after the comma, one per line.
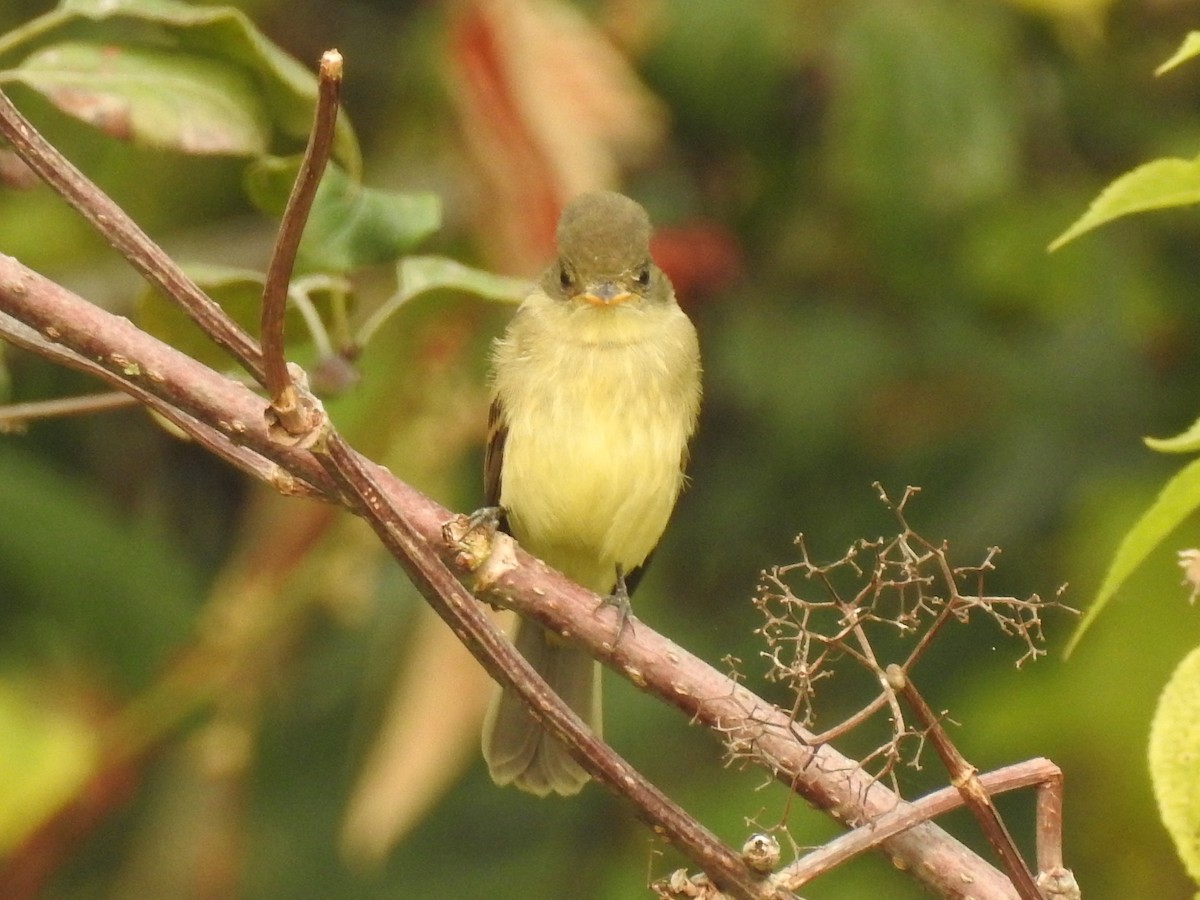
[606,294]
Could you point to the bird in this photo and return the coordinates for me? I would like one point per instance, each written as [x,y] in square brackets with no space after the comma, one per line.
[595,388]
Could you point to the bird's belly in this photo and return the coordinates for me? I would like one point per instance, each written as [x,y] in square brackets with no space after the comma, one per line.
[593,486]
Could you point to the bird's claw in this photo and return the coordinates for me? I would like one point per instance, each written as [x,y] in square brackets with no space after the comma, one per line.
[619,598]
[472,535]
[487,518]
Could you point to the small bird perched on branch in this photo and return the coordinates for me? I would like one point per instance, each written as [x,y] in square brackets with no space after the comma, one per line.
[596,390]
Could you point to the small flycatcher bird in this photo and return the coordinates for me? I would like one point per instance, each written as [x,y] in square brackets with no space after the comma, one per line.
[596,389]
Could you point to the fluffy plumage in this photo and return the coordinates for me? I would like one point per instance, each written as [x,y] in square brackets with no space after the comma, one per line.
[596,388]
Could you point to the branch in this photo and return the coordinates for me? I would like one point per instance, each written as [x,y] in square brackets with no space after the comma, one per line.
[965,779]
[287,242]
[463,614]
[1041,772]
[125,236]
[23,281]
[73,331]
[749,725]
[17,416]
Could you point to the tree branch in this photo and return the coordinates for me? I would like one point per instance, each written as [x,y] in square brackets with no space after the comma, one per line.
[287,243]
[125,236]
[75,332]
[25,281]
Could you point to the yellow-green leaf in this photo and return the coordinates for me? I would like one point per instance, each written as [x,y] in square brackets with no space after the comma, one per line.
[417,275]
[224,35]
[1185,442]
[1159,184]
[177,101]
[1189,48]
[1177,500]
[1175,760]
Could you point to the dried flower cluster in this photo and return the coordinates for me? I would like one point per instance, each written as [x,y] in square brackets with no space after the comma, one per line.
[884,595]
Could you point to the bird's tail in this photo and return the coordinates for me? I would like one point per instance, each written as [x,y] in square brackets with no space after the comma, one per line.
[517,749]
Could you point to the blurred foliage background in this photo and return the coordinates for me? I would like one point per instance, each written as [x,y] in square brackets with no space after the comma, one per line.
[855,197]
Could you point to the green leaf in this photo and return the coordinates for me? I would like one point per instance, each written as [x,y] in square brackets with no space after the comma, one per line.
[350,226]
[1189,48]
[286,89]
[177,101]
[1177,500]
[420,274]
[1186,442]
[1174,750]
[1160,184]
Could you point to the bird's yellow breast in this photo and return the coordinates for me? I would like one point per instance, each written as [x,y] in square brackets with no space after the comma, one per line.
[597,428]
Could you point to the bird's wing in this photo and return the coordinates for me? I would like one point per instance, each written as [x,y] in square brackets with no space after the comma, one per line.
[493,457]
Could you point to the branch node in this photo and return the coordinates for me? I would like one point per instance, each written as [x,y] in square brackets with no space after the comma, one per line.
[1059,884]
[296,418]
[501,561]
[472,537]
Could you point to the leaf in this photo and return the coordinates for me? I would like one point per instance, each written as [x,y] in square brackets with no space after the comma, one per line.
[429,273]
[419,274]
[172,100]
[1177,500]
[1160,184]
[1174,750]
[1186,442]
[1188,49]
[286,89]
[350,226]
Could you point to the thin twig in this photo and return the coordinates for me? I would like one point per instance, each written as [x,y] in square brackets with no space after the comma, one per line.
[287,241]
[1040,772]
[965,779]
[115,225]
[16,416]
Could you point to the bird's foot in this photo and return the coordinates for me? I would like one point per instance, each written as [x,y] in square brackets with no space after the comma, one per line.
[619,599]
[489,519]
[472,535]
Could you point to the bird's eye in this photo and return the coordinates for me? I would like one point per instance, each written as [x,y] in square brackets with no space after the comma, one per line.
[564,278]
[643,277]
